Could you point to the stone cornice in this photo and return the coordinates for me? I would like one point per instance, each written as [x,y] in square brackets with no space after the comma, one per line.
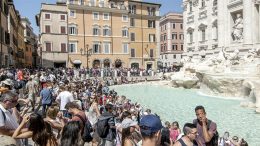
[235,3]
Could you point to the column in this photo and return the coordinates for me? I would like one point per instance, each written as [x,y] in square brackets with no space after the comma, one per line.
[128,74]
[102,72]
[221,23]
[115,71]
[247,21]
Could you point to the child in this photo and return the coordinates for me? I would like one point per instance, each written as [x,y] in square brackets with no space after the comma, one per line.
[174,131]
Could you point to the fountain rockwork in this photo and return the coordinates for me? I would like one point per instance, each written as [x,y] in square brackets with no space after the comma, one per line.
[226,75]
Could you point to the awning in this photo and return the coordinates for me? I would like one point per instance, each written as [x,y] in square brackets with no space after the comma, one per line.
[77,62]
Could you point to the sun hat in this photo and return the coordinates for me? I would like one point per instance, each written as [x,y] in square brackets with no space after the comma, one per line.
[150,124]
[128,123]
[8,82]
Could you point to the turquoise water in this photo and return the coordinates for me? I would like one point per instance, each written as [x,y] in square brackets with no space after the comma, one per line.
[178,105]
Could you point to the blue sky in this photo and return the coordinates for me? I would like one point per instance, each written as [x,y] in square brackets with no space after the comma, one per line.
[29,8]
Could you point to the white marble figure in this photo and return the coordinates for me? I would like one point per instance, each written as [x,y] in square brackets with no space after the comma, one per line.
[250,56]
[237,32]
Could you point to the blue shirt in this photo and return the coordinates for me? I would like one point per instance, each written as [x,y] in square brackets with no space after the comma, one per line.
[46,96]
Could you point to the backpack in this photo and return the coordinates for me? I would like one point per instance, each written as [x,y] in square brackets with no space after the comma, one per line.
[17,85]
[86,136]
[214,139]
[103,126]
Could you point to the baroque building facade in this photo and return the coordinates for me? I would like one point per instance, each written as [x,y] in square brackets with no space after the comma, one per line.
[4,39]
[108,33]
[211,25]
[171,40]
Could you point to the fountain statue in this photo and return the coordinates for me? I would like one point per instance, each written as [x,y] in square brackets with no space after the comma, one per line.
[237,33]
[227,74]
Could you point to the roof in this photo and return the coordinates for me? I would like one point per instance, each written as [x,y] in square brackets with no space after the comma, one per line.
[145,2]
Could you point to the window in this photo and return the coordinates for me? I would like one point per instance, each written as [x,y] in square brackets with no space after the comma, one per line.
[125,48]
[175,47]
[95,15]
[132,22]
[47,16]
[132,36]
[92,2]
[125,32]
[174,36]
[81,2]
[182,47]
[174,56]
[151,37]
[151,53]
[203,35]
[165,37]
[48,47]
[124,18]
[173,25]
[96,48]
[190,4]
[62,17]
[63,29]
[96,31]
[106,16]
[151,23]
[63,47]
[181,25]
[101,3]
[106,48]
[72,13]
[132,52]
[215,2]
[166,57]
[151,11]
[191,37]
[72,30]
[162,48]
[132,9]
[181,37]
[202,3]
[106,31]
[71,1]
[72,47]
[47,29]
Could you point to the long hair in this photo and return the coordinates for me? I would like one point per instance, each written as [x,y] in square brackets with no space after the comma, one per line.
[126,133]
[42,132]
[70,135]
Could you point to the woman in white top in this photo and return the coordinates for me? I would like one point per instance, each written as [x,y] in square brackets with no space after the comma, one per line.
[93,115]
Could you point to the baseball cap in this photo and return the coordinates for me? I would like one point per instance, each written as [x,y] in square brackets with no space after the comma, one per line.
[128,123]
[150,124]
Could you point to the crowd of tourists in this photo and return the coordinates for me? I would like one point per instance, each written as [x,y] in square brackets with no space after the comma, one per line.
[60,107]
